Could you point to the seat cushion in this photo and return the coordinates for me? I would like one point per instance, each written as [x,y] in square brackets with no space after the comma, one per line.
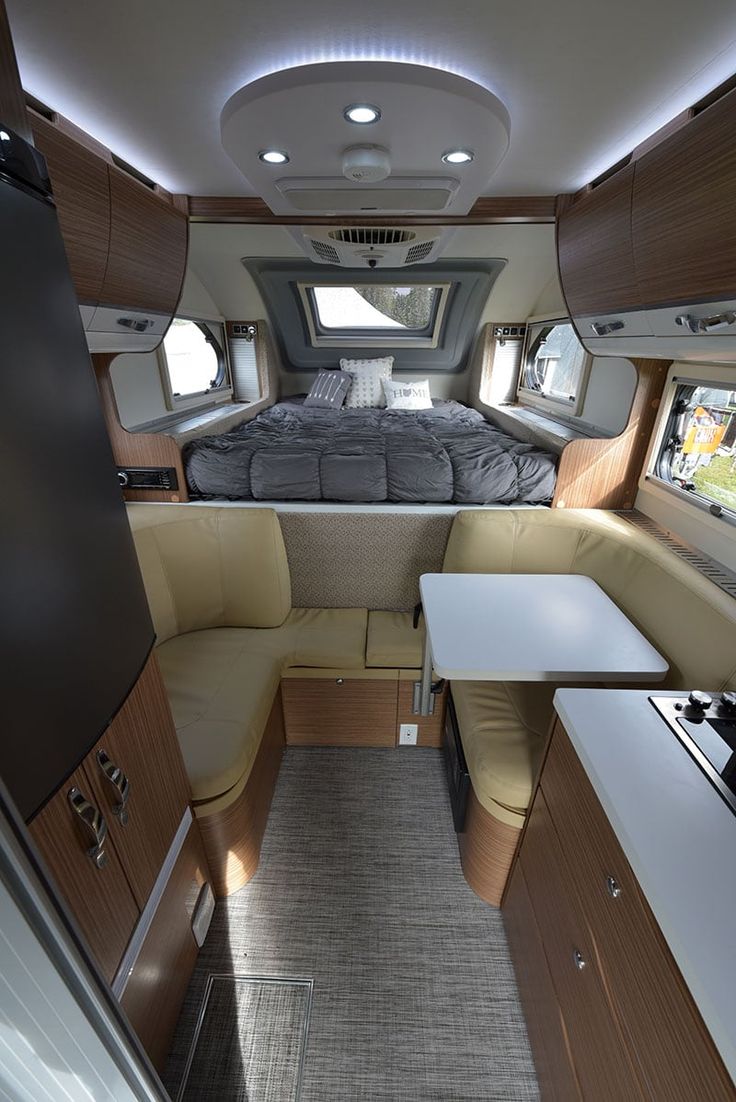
[221,691]
[329,637]
[393,641]
[503,727]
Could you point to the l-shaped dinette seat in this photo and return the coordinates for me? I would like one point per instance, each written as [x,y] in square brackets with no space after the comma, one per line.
[219,589]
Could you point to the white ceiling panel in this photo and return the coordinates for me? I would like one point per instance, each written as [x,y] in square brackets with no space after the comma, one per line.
[583,80]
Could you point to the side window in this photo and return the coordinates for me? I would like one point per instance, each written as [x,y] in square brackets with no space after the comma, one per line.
[194,364]
[698,450]
[555,366]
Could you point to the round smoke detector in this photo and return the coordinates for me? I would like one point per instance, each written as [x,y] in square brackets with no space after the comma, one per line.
[366,164]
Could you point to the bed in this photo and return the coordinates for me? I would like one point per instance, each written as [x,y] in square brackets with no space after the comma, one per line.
[292,452]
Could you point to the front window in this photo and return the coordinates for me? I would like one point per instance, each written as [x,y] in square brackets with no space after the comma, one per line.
[194,358]
[554,364]
[698,452]
[375,314]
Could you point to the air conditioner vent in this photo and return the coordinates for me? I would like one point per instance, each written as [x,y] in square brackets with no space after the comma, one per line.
[372,235]
[325,251]
[709,568]
[419,252]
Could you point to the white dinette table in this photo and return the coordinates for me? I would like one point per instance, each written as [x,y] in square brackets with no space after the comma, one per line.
[529,627]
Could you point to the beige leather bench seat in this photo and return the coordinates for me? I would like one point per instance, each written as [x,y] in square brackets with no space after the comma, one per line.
[393,641]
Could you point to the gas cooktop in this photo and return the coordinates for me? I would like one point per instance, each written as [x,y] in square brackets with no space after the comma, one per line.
[706,726]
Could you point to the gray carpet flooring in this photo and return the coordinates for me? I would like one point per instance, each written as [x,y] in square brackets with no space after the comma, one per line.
[360,889]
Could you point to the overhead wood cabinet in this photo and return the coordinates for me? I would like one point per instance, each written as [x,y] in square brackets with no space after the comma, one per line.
[126,243]
[609,1016]
[126,855]
[648,257]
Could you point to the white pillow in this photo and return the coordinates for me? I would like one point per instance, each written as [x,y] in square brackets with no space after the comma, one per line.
[412,394]
[366,391]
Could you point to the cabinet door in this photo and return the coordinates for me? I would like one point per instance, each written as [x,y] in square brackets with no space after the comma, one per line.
[684,213]
[339,711]
[595,251]
[148,248]
[602,1061]
[141,742]
[99,898]
[82,193]
[673,1052]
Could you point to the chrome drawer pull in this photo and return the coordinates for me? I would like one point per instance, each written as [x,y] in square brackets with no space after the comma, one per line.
[613,887]
[93,824]
[603,328]
[339,680]
[578,960]
[706,325]
[114,774]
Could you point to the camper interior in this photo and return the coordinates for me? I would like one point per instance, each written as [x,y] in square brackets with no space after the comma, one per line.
[369,552]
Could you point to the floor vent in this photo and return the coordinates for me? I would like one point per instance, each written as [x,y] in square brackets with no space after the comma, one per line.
[714,571]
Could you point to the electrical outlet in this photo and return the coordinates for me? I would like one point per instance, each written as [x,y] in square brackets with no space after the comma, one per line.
[408,733]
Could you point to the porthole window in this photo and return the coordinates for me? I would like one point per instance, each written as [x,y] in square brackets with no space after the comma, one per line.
[194,359]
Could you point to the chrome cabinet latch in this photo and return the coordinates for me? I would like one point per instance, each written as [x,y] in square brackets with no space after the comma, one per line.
[93,825]
[706,325]
[603,328]
[114,774]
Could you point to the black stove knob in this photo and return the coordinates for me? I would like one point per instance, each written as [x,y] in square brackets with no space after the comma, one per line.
[699,702]
[728,703]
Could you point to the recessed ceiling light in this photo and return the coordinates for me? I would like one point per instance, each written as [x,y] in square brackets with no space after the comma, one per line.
[274,156]
[457,156]
[362,113]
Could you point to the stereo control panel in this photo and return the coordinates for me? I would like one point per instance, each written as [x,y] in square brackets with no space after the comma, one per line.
[148,478]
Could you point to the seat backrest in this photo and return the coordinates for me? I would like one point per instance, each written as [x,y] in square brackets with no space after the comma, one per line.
[206,567]
[683,614]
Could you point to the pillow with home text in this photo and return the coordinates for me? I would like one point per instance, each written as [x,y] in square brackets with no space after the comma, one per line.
[412,394]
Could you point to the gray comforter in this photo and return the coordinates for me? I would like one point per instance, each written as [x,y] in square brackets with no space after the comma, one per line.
[294,453]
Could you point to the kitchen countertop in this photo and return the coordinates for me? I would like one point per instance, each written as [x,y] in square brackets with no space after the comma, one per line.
[678,835]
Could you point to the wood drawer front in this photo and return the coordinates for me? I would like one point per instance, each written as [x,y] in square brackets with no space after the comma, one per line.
[545,1024]
[157,985]
[595,250]
[673,1052]
[82,194]
[142,741]
[602,1063]
[100,899]
[339,712]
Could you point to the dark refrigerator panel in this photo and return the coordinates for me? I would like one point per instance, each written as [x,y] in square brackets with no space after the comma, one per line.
[75,624]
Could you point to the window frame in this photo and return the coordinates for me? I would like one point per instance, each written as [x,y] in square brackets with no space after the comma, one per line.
[322,337]
[224,387]
[546,402]
[658,461]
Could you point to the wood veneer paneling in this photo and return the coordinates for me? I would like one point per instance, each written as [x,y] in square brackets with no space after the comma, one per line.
[674,1056]
[487,850]
[339,712]
[604,473]
[142,741]
[137,449]
[100,899]
[232,837]
[488,210]
[148,247]
[602,1063]
[82,192]
[156,988]
[12,101]
[430,727]
[595,250]
[545,1025]
[684,212]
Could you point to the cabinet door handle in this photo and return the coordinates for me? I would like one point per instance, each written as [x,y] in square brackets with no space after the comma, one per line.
[613,887]
[706,325]
[114,774]
[603,328]
[578,960]
[93,824]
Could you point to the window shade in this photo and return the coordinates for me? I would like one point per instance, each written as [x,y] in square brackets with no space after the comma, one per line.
[244,364]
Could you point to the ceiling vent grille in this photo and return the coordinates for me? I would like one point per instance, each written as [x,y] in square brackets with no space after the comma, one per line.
[419,252]
[372,235]
[325,251]
[712,570]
